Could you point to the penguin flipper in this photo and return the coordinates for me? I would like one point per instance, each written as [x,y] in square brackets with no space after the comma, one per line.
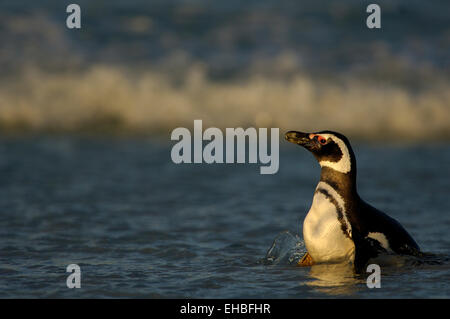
[400,241]
[365,249]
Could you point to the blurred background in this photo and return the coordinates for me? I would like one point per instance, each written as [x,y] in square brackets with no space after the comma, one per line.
[86,115]
[146,67]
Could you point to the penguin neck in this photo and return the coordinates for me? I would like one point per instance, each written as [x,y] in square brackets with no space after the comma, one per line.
[343,183]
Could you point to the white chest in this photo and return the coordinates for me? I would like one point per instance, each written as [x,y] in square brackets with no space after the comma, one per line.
[322,230]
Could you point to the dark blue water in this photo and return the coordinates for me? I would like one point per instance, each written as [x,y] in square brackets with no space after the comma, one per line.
[232,37]
[140,226]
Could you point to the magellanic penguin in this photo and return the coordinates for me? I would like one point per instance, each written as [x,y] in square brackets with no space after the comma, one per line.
[340,226]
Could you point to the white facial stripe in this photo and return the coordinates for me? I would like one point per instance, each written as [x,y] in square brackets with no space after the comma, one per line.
[344,164]
[381,238]
[339,200]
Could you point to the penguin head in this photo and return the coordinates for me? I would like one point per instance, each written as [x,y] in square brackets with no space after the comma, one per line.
[331,149]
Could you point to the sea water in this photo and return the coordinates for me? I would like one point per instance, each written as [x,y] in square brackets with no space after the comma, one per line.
[139,225]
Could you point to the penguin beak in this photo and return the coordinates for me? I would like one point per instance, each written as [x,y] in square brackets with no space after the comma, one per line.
[299,138]
[303,139]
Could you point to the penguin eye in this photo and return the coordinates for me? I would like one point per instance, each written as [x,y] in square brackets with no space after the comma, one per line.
[322,140]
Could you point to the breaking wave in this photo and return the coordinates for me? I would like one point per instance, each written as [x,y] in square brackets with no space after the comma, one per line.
[109,99]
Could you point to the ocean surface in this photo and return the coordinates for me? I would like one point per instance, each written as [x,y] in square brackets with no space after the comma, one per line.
[140,226]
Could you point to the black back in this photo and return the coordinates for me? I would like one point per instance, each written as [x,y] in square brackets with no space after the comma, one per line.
[367,219]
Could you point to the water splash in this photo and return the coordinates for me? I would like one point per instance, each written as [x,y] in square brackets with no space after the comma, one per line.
[286,249]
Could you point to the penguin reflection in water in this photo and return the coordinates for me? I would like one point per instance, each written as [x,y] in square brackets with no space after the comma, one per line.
[340,226]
